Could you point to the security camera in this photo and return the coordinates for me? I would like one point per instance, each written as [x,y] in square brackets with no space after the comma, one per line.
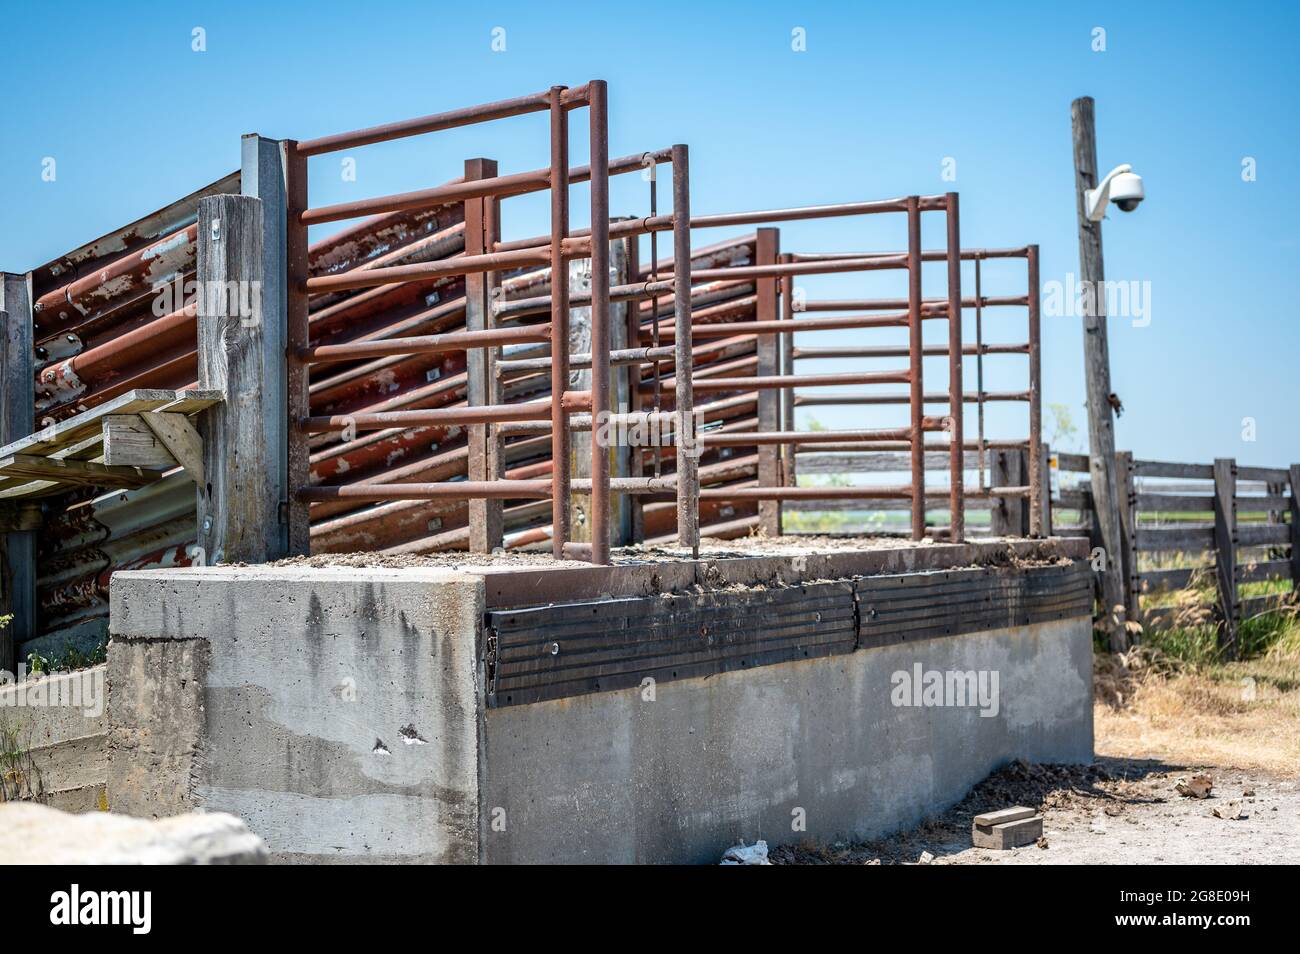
[1122,185]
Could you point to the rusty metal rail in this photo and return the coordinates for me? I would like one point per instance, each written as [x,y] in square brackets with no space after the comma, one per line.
[979,349]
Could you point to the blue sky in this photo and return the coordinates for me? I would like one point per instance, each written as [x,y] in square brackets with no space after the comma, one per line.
[882,95]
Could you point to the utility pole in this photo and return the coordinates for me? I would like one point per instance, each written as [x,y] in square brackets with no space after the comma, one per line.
[1096,356]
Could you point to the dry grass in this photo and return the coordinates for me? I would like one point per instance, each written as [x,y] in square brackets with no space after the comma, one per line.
[1153,704]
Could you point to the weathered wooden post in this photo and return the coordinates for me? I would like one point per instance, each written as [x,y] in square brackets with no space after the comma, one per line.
[768,250]
[1009,516]
[486,527]
[1128,531]
[17,410]
[1225,551]
[1295,527]
[241,354]
[1101,426]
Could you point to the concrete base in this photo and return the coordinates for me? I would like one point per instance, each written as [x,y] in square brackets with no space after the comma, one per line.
[52,733]
[343,713]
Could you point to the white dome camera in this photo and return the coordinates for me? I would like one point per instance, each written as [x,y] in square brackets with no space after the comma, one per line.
[1122,185]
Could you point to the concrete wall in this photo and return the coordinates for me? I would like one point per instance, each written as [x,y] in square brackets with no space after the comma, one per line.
[56,739]
[333,710]
[616,776]
[341,713]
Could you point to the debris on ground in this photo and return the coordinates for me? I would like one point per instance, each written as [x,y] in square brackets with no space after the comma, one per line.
[755,854]
[1198,786]
[925,859]
[1042,842]
[1229,812]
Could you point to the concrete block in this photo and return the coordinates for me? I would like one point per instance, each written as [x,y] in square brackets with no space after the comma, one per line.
[1008,834]
[337,711]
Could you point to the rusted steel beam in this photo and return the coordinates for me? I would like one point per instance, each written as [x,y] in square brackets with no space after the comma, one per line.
[541,304]
[688,475]
[1036,523]
[426,344]
[725,329]
[559,322]
[462,191]
[745,438]
[455,490]
[598,117]
[779,382]
[939,397]
[932,306]
[901,351]
[915,396]
[460,265]
[957,528]
[469,115]
[525,411]
[777,270]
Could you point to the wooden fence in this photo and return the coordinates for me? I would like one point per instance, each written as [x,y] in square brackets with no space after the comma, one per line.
[1239,525]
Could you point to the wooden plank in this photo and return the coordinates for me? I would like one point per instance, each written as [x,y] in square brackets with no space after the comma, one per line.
[1272,504]
[1072,463]
[1158,468]
[19,517]
[1263,535]
[1153,539]
[78,472]
[1270,475]
[181,440]
[239,500]
[1171,503]
[1150,581]
[128,441]
[1264,570]
[1225,558]
[1257,605]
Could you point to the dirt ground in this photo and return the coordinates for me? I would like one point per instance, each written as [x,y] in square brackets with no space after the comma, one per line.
[1156,724]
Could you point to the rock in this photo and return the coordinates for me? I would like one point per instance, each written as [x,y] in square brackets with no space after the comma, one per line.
[32,834]
[1229,812]
[1198,786]
[925,859]
[755,854]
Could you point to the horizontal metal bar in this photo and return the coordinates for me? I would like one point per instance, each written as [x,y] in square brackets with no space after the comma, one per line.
[426,344]
[970,397]
[805,268]
[902,351]
[499,186]
[541,304]
[783,382]
[725,329]
[618,358]
[455,490]
[814,493]
[747,438]
[929,255]
[467,116]
[938,306]
[396,274]
[483,414]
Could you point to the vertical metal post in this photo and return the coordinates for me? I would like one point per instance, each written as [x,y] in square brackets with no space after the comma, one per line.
[600,347]
[1225,551]
[1036,495]
[789,461]
[688,474]
[485,515]
[979,369]
[17,413]
[559,323]
[767,249]
[297,335]
[956,449]
[635,402]
[916,353]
